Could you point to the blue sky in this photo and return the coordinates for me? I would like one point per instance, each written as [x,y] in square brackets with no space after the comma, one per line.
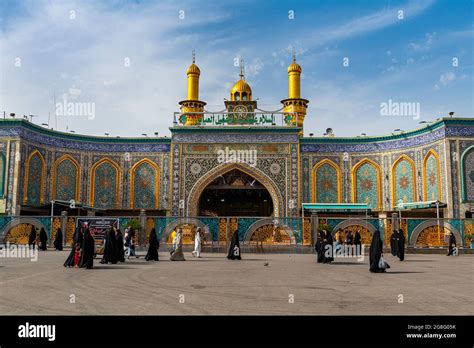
[82,59]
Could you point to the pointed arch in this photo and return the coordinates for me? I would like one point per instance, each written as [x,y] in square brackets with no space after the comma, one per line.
[377,194]
[200,185]
[156,181]
[394,177]
[467,185]
[3,163]
[314,178]
[117,177]
[28,185]
[425,177]
[56,165]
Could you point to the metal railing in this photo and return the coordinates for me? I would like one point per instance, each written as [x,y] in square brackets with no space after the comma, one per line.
[254,232]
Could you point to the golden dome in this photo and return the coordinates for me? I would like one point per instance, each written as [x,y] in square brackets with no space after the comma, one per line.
[193,69]
[241,86]
[294,67]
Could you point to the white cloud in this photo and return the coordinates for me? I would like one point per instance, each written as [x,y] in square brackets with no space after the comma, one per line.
[370,22]
[84,58]
[447,78]
[425,44]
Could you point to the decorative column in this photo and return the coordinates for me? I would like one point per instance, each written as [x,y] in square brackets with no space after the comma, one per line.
[142,232]
[64,225]
[395,222]
[314,228]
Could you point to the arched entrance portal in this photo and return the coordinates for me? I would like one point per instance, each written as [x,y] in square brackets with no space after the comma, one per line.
[235,193]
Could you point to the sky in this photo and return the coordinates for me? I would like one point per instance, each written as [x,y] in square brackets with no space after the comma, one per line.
[127,60]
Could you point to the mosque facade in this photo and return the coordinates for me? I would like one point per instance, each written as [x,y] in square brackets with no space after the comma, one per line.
[242,161]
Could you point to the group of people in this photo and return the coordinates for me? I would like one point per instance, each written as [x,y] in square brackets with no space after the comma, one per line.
[397,244]
[114,247]
[176,253]
[39,239]
[117,248]
[326,246]
[83,249]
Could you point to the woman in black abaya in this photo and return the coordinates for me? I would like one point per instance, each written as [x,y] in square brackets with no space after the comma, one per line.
[32,237]
[77,239]
[451,244]
[327,247]
[375,253]
[119,244]
[43,239]
[358,243]
[58,240]
[87,252]
[110,249]
[319,247]
[394,243]
[401,245]
[234,249]
[154,245]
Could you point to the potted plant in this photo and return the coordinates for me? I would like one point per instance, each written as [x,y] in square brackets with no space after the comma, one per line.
[324,227]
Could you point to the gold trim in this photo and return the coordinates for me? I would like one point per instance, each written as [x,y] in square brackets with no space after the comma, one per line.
[55,174]
[298,171]
[43,174]
[201,184]
[132,181]
[394,178]
[170,191]
[438,167]
[338,178]
[379,180]
[118,174]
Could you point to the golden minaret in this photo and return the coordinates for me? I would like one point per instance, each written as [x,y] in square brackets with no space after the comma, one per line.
[294,107]
[192,107]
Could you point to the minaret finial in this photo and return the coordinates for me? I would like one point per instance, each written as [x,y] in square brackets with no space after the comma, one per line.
[194,57]
[242,72]
[294,54]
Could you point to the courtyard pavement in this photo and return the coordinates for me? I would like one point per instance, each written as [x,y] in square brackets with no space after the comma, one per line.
[259,284]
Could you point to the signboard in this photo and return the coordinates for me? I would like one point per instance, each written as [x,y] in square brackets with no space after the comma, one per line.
[99,226]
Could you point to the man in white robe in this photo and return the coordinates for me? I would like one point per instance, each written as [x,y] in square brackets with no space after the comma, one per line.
[197,243]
